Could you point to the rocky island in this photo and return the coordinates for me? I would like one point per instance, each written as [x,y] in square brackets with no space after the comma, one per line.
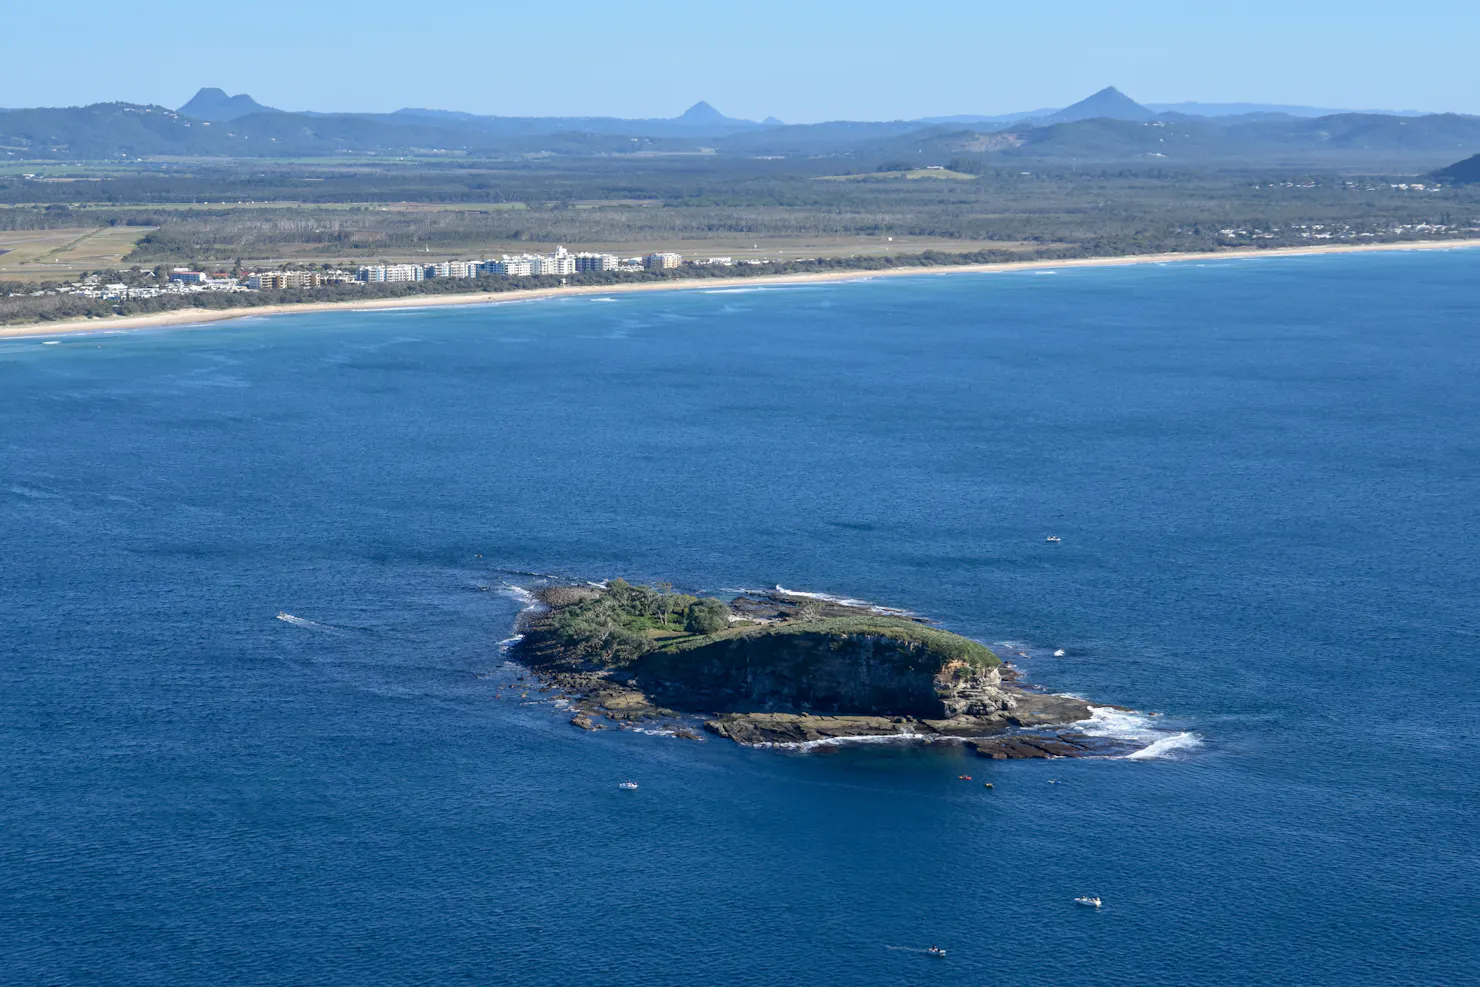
[783,668]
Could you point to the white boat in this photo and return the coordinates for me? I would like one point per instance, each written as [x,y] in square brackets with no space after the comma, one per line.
[1059,653]
[629,786]
[1088,902]
[936,951]
[1053,538]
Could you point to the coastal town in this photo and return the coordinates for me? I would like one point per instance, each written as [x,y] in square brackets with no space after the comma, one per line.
[561,263]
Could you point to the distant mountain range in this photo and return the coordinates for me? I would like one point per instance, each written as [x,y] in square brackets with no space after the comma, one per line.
[1107,127]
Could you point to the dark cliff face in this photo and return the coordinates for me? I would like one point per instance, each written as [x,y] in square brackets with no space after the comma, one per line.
[823,673]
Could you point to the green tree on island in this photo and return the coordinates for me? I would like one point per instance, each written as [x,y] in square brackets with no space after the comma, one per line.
[707,616]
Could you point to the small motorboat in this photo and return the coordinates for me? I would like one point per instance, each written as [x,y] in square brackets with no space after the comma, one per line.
[986,784]
[627,786]
[1088,902]
[935,951]
[964,777]
[1059,653]
[1055,539]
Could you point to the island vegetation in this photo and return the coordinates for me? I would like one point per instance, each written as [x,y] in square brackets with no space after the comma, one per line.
[624,622]
[777,667]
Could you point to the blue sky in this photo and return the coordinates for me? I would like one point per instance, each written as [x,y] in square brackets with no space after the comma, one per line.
[817,60]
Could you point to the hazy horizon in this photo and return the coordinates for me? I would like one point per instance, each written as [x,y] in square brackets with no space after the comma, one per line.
[859,61]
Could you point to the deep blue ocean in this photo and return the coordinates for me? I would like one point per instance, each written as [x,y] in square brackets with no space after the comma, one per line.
[1265,474]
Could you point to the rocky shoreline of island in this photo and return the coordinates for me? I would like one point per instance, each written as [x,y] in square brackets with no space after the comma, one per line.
[788,670]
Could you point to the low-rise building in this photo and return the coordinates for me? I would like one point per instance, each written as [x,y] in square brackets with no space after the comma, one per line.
[279,280]
[184,276]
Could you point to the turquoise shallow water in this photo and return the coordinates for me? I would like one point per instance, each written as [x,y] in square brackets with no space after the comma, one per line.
[1265,474]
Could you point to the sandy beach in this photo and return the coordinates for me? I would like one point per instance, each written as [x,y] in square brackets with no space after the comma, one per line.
[200,317]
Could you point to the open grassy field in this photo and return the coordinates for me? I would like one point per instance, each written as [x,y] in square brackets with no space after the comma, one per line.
[45,255]
[168,207]
[944,174]
[736,246]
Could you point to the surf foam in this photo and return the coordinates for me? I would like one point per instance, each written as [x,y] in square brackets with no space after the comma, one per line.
[1120,724]
[1164,746]
[845,602]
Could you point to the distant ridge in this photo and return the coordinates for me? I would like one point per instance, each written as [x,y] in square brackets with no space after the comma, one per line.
[1112,128]
[215,105]
[1243,109]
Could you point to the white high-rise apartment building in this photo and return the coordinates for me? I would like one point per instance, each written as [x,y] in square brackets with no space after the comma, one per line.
[404,272]
[391,272]
[563,262]
[453,269]
[514,267]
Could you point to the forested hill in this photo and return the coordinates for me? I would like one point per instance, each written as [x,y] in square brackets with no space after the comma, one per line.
[1466,172]
[1347,138]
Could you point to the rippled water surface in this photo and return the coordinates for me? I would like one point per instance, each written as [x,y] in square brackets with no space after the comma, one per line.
[1265,475]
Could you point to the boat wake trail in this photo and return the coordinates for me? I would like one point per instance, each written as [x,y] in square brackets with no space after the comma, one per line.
[304,622]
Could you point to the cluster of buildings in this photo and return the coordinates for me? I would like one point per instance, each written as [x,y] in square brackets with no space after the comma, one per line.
[1366,186]
[561,263]
[1344,231]
[179,282]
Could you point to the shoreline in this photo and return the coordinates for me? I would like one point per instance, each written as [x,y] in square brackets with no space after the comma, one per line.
[188,318]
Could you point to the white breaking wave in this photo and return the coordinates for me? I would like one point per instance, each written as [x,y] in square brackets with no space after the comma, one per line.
[522,595]
[767,287]
[651,733]
[846,602]
[1121,724]
[1164,746]
[886,738]
[530,605]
